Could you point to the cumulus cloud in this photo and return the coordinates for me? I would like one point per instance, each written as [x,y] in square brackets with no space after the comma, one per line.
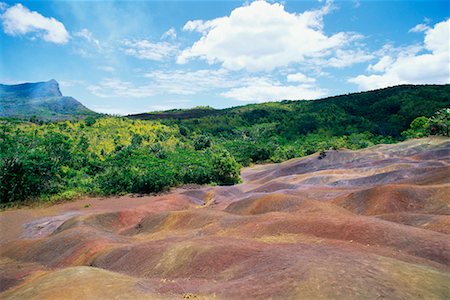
[300,78]
[381,65]
[262,36]
[217,83]
[168,82]
[19,20]
[146,49]
[264,89]
[427,64]
[346,58]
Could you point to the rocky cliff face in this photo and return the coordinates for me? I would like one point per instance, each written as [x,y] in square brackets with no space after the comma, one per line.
[30,90]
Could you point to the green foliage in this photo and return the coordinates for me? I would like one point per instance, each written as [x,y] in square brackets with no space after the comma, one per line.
[202,142]
[30,165]
[440,122]
[384,112]
[226,169]
[420,127]
[58,161]
[116,155]
[90,121]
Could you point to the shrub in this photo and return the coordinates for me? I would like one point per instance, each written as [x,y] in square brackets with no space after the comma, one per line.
[440,122]
[226,169]
[420,127]
[202,142]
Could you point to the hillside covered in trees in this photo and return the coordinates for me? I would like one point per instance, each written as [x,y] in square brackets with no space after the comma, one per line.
[117,155]
[281,130]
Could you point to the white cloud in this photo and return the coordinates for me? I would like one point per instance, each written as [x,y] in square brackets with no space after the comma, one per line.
[300,78]
[419,28]
[169,34]
[173,82]
[346,58]
[88,36]
[429,64]
[86,45]
[263,36]
[71,83]
[217,83]
[19,20]
[381,65]
[113,87]
[145,49]
[264,89]
[180,82]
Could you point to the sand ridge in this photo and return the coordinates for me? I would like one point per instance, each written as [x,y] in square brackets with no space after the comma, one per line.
[362,224]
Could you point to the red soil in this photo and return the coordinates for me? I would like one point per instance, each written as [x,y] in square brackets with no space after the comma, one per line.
[356,225]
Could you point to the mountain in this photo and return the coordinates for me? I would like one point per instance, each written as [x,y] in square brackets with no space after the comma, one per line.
[387,111]
[41,100]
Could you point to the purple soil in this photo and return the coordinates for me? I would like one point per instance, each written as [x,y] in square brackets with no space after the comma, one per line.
[356,225]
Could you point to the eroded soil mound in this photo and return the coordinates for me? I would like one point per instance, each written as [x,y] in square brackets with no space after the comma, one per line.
[356,225]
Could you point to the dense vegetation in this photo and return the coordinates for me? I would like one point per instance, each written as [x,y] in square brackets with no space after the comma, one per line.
[438,124]
[112,155]
[281,130]
[104,156]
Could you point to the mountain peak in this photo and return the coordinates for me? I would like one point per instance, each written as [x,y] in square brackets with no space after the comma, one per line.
[31,90]
[41,99]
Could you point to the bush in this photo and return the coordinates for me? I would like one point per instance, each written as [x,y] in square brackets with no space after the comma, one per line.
[202,142]
[420,127]
[226,169]
[440,122]
[152,180]
[115,180]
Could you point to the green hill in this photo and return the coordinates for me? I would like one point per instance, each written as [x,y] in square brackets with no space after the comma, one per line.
[41,100]
[386,112]
[116,155]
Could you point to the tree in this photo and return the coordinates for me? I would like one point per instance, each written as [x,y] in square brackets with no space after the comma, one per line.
[226,169]
[202,142]
[419,127]
[440,122]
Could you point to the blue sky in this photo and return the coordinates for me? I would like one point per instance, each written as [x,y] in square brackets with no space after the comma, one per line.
[136,56]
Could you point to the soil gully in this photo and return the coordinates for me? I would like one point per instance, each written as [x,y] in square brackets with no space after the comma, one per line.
[363,224]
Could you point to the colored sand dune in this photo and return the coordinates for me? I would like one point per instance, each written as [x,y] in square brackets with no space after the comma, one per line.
[363,224]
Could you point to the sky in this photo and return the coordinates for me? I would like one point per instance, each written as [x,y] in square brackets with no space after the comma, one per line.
[123,57]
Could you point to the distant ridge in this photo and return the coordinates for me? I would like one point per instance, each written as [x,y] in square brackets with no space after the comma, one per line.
[387,112]
[41,100]
[366,97]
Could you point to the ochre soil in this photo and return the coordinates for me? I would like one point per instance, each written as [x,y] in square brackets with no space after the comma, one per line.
[363,224]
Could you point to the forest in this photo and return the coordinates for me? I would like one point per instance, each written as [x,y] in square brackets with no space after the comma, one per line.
[150,153]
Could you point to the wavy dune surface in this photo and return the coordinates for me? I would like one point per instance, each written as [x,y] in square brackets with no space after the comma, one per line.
[365,224]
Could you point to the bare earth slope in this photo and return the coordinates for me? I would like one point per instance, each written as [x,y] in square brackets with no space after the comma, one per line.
[355,225]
